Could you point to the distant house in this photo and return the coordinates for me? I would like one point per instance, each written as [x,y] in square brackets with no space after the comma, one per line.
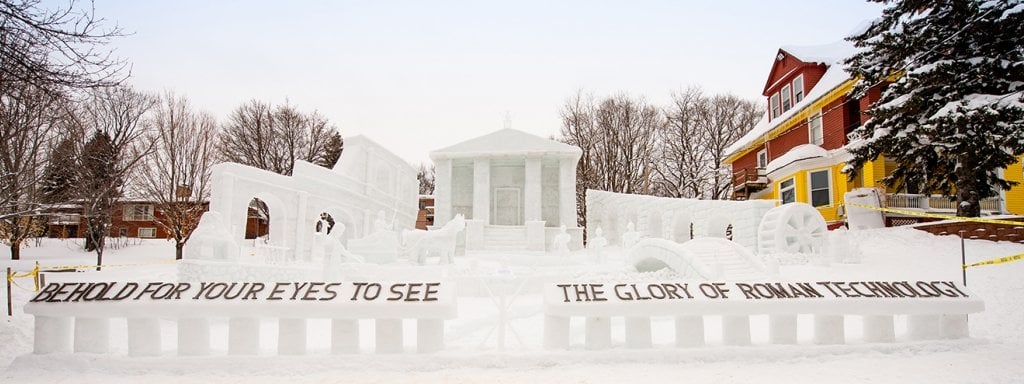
[797,151]
[129,218]
[425,217]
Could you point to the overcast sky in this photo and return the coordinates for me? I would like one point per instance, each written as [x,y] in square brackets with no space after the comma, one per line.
[421,75]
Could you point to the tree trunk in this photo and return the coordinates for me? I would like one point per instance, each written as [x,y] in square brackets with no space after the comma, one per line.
[178,246]
[15,250]
[967,202]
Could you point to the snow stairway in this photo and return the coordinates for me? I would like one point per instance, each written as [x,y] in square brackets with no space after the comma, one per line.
[504,238]
[732,264]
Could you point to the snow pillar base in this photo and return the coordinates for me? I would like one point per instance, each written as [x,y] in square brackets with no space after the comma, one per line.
[344,336]
[291,336]
[829,329]
[782,329]
[689,331]
[736,330]
[52,334]
[638,332]
[954,327]
[879,329]
[193,337]
[598,332]
[389,335]
[556,332]
[243,336]
[92,335]
[429,335]
[144,337]
[923,327]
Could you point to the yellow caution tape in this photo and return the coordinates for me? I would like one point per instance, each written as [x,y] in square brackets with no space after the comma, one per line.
[938,216]
[34,274]
[999,260]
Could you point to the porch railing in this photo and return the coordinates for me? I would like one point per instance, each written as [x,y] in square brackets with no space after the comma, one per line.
[934,202]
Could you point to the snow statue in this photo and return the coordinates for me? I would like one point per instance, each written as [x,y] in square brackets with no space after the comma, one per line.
[597,244]
[794,232]
[211,240]
[335,253]
[420,243]
[561,241]
[631,236]
[380,246]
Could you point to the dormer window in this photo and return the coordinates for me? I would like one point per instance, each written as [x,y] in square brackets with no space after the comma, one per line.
[787,100]
[774,103]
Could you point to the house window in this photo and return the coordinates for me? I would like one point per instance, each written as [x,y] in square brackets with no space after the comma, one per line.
[786,101]
[798,89]
[814,131]
[138,212]
[774,102]
[147,232]
[821,189]
[762,159]
[787,191]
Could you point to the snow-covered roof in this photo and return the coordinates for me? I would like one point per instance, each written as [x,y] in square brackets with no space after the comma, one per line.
[827,54]
[506,142]
[834,76]
[800,152]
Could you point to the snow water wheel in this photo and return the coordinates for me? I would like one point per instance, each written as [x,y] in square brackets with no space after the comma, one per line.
[791,228]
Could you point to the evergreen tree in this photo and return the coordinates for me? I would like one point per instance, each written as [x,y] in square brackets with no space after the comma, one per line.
[101,183]
[61,174]
[950,113]
[332,151]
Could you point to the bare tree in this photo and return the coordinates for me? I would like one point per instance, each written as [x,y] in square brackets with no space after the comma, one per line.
[176,174]
[725,119]
[683,169]
[114,116]
[425,176]
[55,47]
[273,138]
[27,120]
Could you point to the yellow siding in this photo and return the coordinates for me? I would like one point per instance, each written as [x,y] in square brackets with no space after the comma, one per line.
[1015,196]
[872,173]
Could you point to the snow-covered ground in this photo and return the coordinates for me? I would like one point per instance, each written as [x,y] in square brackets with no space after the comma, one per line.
[991,355]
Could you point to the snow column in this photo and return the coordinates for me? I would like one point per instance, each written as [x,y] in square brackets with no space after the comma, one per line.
[567,193]
[534,224]
[481,204]
[442,191]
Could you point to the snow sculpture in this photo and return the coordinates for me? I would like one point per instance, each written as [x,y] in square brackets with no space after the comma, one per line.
[794,228]
[366,180]
[441,241]
[597,244]
[336,254]
[381,246]
[210,240]
[561,242]
[514,189]
[840,249]
[705,258]
[631,236]
[863,218]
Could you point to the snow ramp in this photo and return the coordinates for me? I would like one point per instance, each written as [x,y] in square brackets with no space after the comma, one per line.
[704,258]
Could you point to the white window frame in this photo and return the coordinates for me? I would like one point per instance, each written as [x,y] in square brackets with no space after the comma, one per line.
[762,159]
[773,102]
[815,123]
[787,98]
[798,89]
[783,189]
[129,212]
[811,189]
[151,230]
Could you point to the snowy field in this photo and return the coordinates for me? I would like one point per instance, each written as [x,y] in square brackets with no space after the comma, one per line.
[991,355]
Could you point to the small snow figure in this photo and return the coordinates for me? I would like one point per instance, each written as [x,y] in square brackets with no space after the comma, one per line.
[631,236]
[597,244]
[561,241]
[380,224]
[335,252]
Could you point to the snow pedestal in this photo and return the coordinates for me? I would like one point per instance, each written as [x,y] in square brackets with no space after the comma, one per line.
[92,335]
[144,337]
[954,326]
[829,329]
[638,332]
[535,236]
[782,329]
[599,332]
[344,336]
[52,334]
[193,337]
[879,329]
[429,335]
[556,332]
[291,336]
[689,331]
[389,335]
[243,336]
[924,327]
[736,330]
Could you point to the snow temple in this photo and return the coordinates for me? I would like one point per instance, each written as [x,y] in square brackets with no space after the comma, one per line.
[514,189]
